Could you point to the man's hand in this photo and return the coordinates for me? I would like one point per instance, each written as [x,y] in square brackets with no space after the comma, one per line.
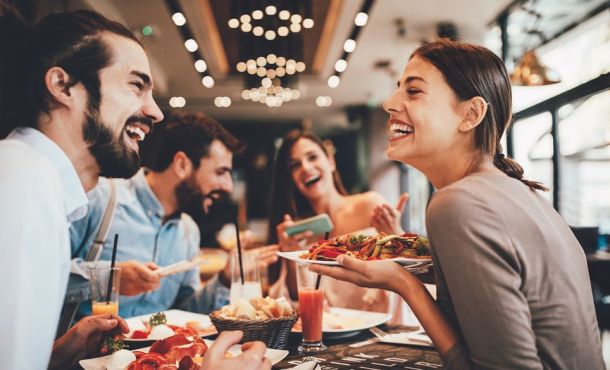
[386,218]
[251,358]
[84,339]
[137,277]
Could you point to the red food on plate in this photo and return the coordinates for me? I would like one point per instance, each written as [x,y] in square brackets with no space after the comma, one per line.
[148,361]
[165,345]
[139,334]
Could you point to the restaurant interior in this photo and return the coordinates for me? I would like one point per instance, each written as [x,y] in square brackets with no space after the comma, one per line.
[265,67]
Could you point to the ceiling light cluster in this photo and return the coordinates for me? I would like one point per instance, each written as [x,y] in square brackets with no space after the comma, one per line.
[264,66]
[222,102]
[293,23]
[177,102]
[324,101]
[272,96]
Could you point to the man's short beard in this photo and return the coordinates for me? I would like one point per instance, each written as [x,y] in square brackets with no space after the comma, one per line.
[113,156]
[190,198]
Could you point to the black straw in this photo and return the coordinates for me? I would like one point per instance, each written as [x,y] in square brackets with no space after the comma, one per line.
[241,266]
[114,248]
[326,236]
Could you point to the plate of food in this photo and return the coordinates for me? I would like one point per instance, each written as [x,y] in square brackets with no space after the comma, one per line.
[406,249]
[149,328]
[344,321]
[179,350]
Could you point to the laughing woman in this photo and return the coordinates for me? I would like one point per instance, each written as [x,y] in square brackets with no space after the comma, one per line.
[306,183]
[513,288]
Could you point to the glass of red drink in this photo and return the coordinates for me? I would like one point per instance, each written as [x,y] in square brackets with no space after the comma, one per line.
[311,302]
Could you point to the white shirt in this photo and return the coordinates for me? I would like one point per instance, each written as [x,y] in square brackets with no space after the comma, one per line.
[40,194]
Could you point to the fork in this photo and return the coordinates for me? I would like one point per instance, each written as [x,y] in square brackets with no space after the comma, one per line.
[379,334]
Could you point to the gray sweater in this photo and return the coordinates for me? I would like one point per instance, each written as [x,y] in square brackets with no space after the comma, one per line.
[511,277]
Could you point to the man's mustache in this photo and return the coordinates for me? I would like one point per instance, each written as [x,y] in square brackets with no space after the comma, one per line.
[216,195]
[142,119]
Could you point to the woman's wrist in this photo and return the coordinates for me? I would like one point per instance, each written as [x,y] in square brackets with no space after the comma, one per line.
[408,286]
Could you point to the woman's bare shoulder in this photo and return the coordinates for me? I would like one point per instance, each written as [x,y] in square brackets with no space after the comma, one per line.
[366,200]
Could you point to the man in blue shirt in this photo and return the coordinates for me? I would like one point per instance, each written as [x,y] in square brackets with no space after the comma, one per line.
[191,164]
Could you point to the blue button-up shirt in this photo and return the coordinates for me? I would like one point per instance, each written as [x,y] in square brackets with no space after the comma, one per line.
[144,236]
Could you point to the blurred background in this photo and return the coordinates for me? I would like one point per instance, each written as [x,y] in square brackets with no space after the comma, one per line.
[263,67]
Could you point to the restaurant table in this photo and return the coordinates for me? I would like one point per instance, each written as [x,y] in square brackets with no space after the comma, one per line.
[374,356]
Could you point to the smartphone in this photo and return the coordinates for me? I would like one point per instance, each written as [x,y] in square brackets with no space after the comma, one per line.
[319,224]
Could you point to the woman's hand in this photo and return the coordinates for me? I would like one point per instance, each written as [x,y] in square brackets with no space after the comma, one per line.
[251,358]
[290,243]
[386,218]
[387,275]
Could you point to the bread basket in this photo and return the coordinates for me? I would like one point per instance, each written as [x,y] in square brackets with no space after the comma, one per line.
[273,332]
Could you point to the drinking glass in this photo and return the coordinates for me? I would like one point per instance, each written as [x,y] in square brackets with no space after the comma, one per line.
[101,302]
[311,303]
[251,288]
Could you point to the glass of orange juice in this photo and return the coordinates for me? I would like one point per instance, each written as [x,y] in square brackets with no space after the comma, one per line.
[311,303]
[101,301]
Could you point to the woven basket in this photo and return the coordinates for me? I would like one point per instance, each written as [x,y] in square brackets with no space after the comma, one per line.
[273,332]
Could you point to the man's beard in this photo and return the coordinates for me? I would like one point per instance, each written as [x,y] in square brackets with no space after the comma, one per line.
[190,199]
[113,156]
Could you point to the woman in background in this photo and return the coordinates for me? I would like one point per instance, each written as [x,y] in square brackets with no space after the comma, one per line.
[512,281]
[306,183]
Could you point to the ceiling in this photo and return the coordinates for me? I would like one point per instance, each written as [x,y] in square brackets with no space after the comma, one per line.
[393,30]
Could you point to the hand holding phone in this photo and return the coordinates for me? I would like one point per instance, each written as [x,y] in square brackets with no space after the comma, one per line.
[318,225]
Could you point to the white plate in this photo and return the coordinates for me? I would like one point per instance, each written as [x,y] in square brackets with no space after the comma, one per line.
[99,363]
[296,257]
[174,317]
[360,320]
[419,338]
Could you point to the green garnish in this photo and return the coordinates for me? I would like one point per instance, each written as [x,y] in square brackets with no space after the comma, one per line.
[422,246]
[357,238]
[157,319]
[111,345]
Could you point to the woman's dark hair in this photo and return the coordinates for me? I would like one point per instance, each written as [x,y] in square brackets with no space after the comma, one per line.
[472,71]
[70,40]
[285,198]
[191,133]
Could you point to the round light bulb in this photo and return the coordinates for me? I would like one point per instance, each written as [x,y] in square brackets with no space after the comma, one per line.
[261,61]
[295,27]
[258,31]
[208,81]
[361,19]
[179,19]
[201,66]
[245,94]
[257,14]
[281,61]
[296,18]
[308,23]
[241,67]
[233,23]
[191,45]
[266,82]
[261,71]
[245,18]
[246,27]
[284,15]
[283,31]
[271,58]
[341,65]
[333,81]
[270,35]
[300,67]
[271,10]
[349,45]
